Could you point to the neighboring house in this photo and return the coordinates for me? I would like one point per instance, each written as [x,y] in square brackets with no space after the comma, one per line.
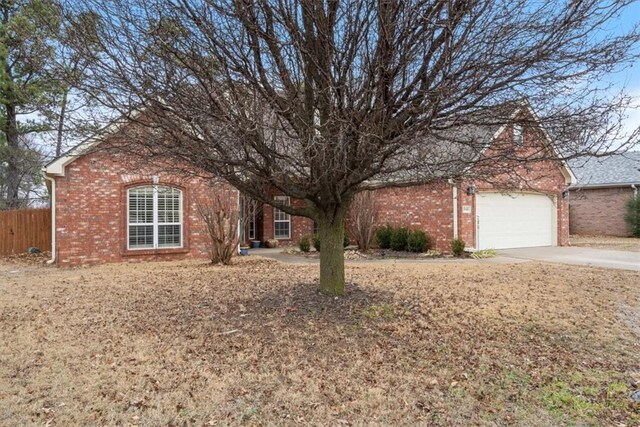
[604,185]
[108,208]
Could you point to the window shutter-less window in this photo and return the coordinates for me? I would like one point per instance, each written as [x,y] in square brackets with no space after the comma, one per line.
[281,220]
[154,215]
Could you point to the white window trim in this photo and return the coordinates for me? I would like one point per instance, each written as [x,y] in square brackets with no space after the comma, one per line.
[518,135]
[252,230]
[155,219]
[286,201]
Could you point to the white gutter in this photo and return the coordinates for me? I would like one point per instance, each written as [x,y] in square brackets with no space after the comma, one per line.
[239,225]
[53,217]
[612,185]
[455,211]
[454,190]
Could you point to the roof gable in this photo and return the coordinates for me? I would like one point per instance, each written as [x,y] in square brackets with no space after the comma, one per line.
[524,107]
[57,166]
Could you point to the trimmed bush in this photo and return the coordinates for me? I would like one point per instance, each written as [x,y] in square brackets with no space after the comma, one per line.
[633,215]
[418,241]
[399,239]
[304,244]
[383,236]
[457,246]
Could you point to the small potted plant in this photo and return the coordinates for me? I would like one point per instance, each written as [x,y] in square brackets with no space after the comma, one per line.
[244,249]
[255,243]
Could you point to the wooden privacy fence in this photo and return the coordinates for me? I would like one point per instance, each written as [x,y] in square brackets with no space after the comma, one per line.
[21,229]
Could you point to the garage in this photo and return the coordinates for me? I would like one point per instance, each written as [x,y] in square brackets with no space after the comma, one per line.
[515,220]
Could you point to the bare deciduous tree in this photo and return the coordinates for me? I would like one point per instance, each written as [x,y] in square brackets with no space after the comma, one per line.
[322,99]
[362,218]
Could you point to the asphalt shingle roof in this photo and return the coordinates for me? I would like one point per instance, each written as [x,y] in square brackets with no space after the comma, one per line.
[623,169]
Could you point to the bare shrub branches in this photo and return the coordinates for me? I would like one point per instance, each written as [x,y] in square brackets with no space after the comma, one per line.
[362,217]
[221,219]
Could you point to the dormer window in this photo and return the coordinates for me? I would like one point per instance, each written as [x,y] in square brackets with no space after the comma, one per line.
[517,134]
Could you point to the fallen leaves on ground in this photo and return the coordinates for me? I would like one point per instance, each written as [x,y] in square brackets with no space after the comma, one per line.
[188,343]
[630,244]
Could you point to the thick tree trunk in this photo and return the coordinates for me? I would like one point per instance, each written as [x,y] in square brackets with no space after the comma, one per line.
[60,131]
[331,230]
[13,169]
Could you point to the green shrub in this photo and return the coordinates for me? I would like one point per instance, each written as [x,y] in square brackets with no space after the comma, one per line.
[383,236]
[418,241]
[429,245]
[457,246]
[316,241]
[346,240]
[633,215]
[399,239]
[304,244]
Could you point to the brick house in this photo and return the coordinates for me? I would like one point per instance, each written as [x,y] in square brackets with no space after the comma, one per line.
[502,212]
[604,185]
[106,208]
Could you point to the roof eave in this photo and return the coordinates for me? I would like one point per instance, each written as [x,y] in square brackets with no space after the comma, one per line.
[605,185]
[57,166]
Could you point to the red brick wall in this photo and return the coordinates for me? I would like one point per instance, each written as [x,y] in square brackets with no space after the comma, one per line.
[430,207]
[426,207]
[543,176]
[91,210]
[300,226]
[599,211]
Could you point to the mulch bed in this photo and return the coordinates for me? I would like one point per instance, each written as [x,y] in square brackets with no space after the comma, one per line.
[372,254]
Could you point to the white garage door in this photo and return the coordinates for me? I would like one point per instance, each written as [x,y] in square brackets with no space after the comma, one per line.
[515,220]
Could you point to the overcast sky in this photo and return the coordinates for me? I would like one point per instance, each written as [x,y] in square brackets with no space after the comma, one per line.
[630,78]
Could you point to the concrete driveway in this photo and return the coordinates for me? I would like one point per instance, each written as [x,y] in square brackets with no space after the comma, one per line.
[578,256]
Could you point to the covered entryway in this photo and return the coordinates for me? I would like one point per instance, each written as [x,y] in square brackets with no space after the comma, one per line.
[515,220]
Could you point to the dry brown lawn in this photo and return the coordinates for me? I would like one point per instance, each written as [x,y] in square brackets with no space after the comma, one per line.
[186,343]
[631,244]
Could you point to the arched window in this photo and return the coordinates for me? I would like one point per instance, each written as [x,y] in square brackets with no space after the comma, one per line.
[154,217]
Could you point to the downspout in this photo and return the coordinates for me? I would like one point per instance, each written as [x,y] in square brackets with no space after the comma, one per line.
[635,190]
[239,223]
[53,217]
[454,190]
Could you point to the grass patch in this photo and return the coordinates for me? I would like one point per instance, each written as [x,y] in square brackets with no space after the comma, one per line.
[588,397]
[379,311]
[484,253]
